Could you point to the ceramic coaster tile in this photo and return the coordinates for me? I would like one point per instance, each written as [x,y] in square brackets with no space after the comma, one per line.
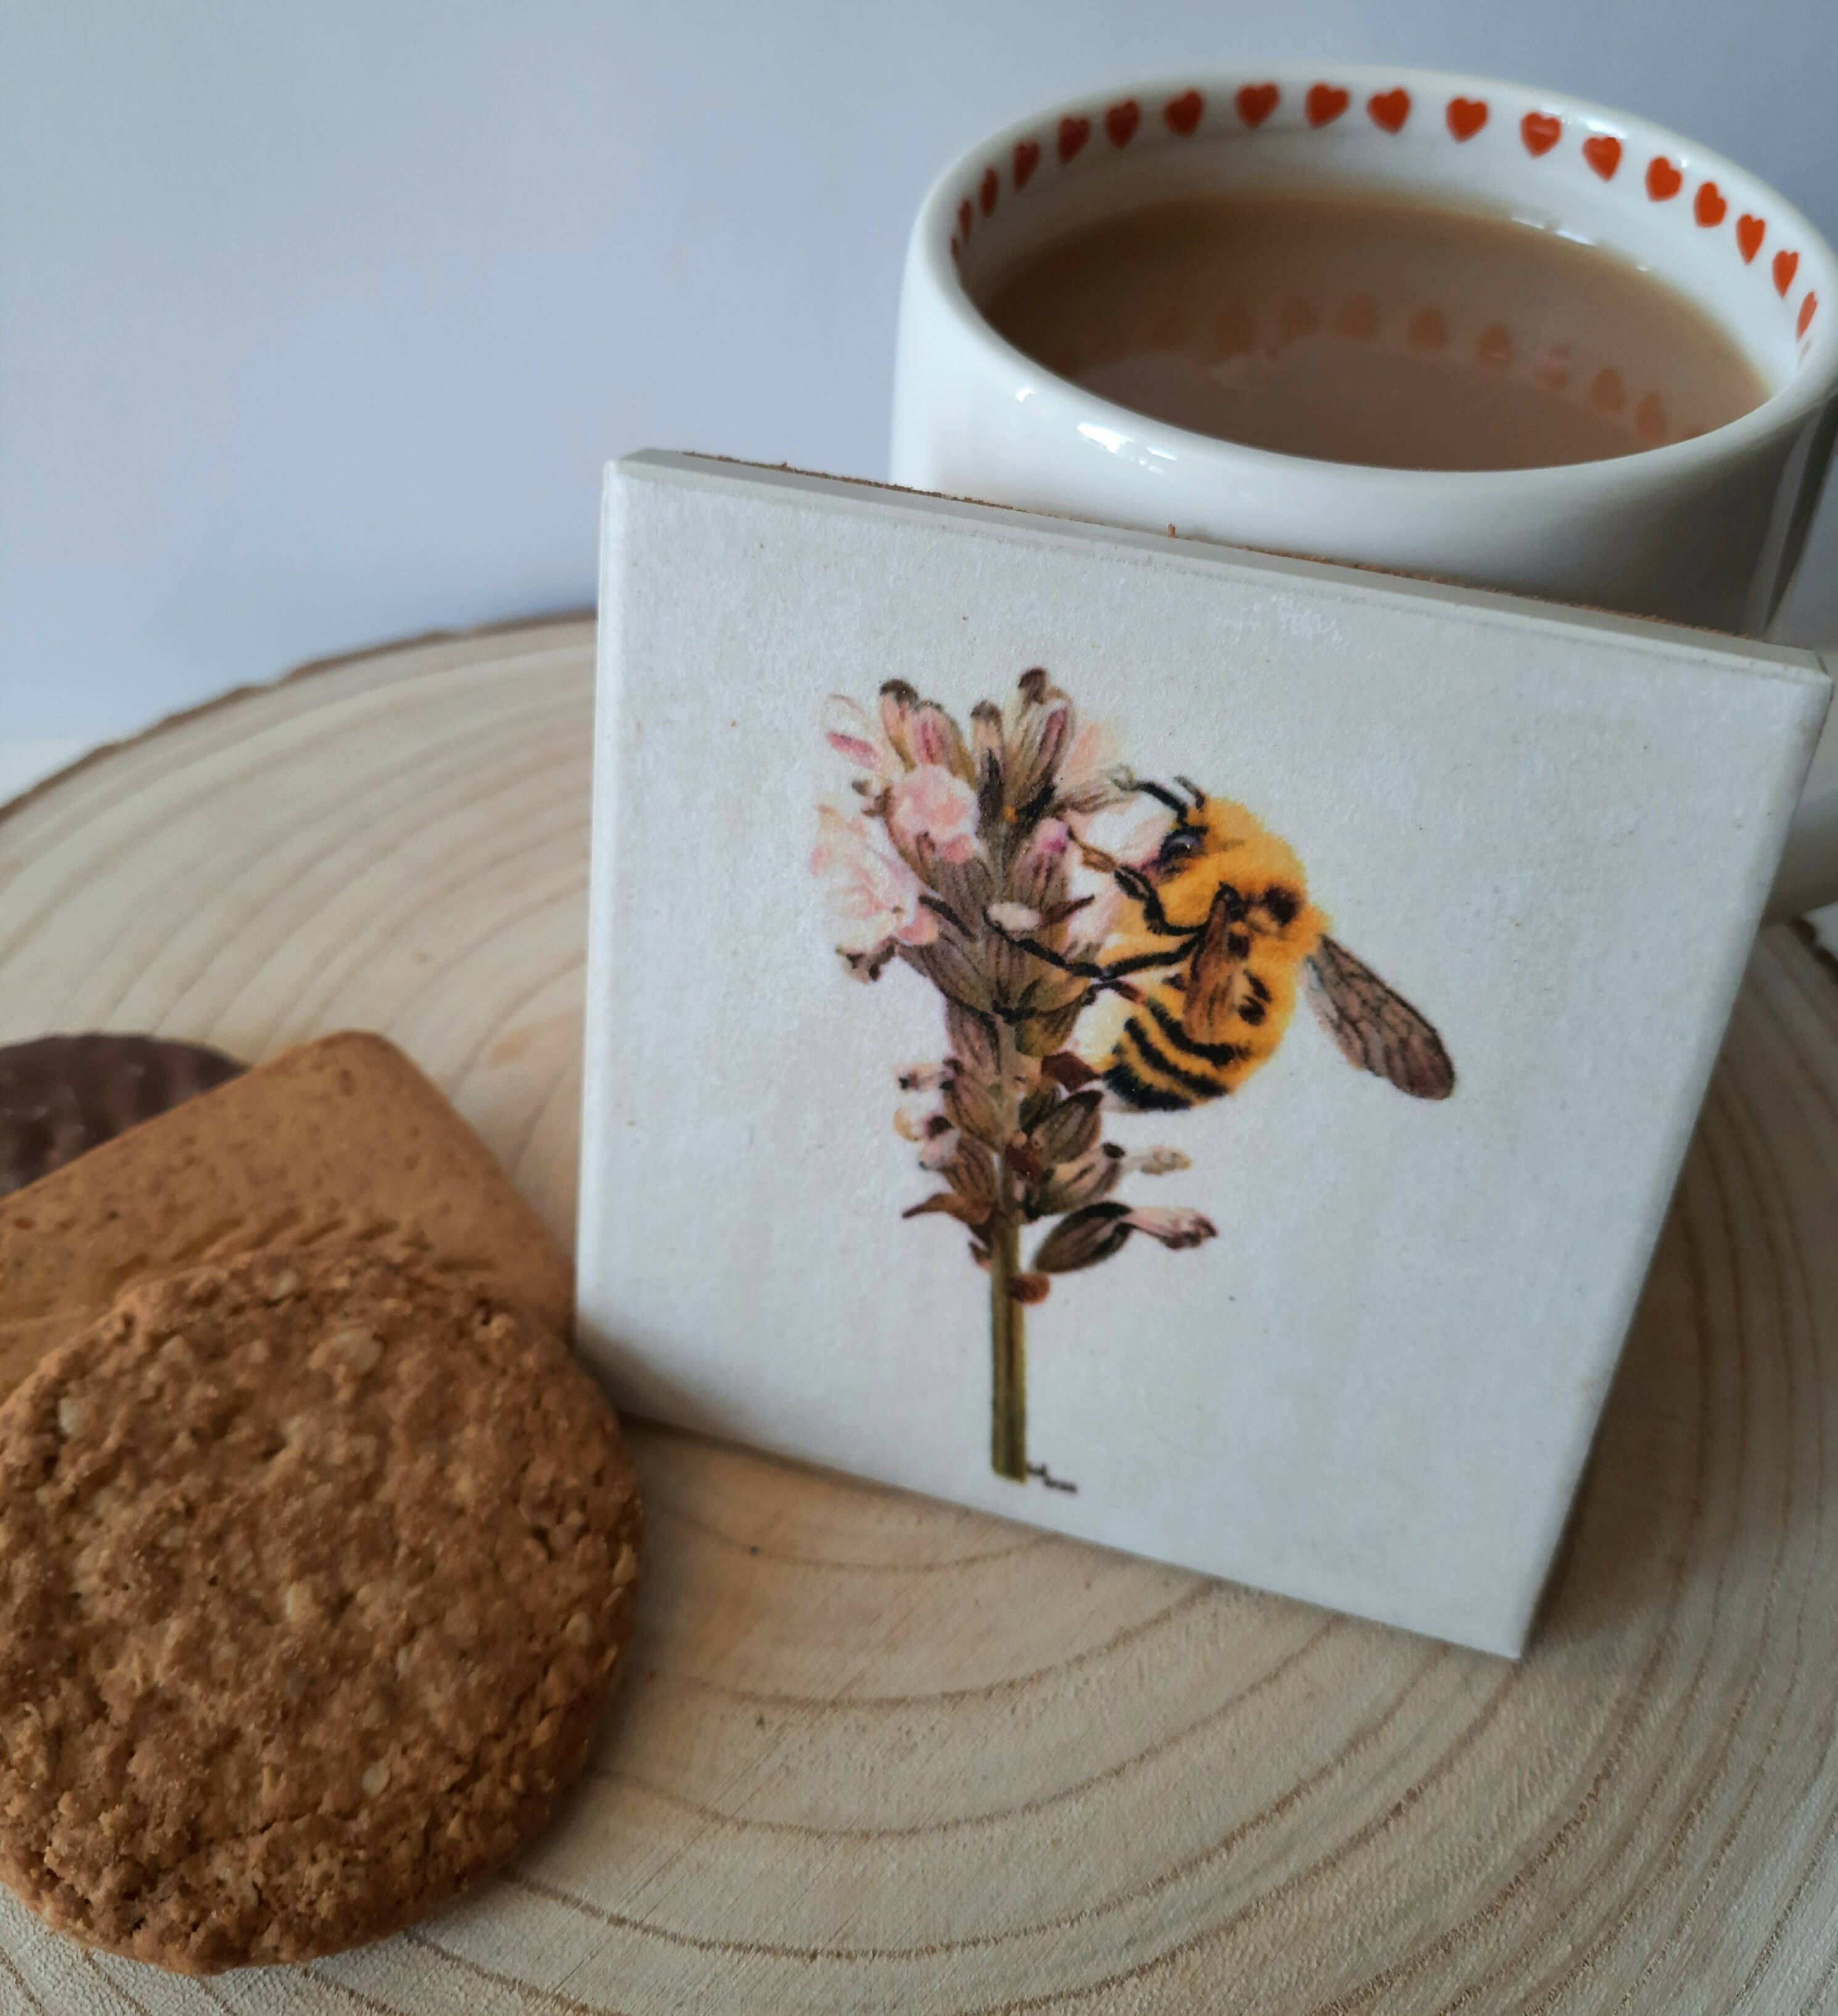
[1189,1048]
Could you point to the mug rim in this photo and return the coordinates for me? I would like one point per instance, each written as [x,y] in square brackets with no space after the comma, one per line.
[1811,384]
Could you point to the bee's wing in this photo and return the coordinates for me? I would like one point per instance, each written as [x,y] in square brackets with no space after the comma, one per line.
[1214,979]
[1376,1030]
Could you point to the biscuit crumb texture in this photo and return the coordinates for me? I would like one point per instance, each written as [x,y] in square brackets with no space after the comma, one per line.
[314,1570]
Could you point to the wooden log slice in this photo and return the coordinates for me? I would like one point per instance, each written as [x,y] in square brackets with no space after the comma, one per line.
[874,1753]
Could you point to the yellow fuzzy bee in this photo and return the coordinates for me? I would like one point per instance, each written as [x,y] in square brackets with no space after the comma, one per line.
[1218,938]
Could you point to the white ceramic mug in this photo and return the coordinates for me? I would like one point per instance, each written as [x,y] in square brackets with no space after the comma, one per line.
[1706,531]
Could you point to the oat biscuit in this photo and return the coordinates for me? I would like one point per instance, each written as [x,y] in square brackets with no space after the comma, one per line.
[314,1571]
[342,1139]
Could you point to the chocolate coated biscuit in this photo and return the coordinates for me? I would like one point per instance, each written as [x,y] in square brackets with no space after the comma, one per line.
[62,1096]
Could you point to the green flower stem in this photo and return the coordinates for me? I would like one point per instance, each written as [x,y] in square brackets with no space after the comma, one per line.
[1009,1443]
[1007,1328]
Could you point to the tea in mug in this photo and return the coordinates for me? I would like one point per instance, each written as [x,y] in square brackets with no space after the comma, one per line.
[1401,334]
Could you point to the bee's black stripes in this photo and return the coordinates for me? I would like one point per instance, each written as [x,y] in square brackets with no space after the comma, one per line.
[1211,1054]
[1136,1092]
[1196,1084]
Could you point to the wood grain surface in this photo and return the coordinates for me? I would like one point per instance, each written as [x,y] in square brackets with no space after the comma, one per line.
[873,1753]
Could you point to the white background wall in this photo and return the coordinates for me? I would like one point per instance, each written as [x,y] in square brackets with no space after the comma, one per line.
[317,322]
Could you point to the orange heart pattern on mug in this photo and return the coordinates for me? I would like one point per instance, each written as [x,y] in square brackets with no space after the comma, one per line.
[1390,109]
[1256,102]
[1183,113]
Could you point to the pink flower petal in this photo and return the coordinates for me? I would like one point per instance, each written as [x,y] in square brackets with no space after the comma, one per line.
[873,896]
[933,805]
[855,749]
[1175,1229]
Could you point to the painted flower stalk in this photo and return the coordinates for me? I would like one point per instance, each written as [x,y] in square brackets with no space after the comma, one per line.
[957,845]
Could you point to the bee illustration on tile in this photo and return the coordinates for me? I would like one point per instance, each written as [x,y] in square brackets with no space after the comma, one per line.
[1218,939]
[1154,974]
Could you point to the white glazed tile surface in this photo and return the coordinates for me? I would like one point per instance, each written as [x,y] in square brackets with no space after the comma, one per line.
[1376,1387]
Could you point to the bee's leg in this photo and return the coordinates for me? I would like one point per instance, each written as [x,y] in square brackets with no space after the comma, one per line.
[1141,891]
[1147,962]
[1071,1074]
[1133,883]
[1068,1071]
[1089,969]
[939,908]
[1084,969]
